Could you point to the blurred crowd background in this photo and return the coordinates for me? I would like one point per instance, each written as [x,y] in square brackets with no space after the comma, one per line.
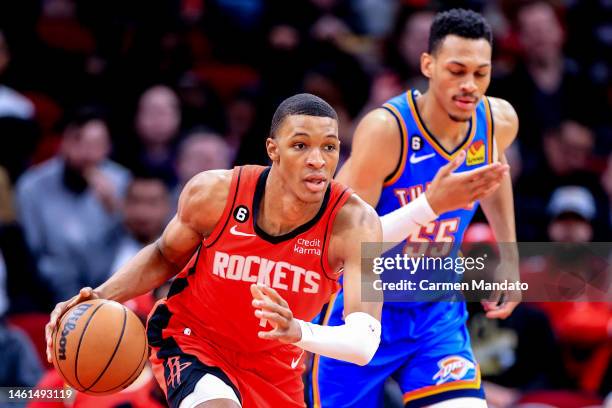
[108,107]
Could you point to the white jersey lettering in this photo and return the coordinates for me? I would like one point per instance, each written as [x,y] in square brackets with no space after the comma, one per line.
[220,263]
[236,265]
[246,276]
[279,275]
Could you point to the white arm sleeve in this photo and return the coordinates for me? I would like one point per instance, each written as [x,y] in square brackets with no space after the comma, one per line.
[356,341]
[398,224]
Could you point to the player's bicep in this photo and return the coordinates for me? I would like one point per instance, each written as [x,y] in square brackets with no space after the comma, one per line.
[506,125]
[375,154]
[200,207]
[178,242]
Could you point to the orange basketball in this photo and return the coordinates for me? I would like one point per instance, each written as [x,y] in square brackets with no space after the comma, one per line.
[100,347]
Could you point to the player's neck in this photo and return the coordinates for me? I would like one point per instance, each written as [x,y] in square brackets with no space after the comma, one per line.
[280,211]
[448,132]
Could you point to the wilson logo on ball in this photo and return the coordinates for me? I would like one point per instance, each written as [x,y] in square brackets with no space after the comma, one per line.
[69,326]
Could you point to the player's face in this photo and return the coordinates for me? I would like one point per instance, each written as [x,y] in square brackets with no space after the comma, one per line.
[306,152]
[459,73]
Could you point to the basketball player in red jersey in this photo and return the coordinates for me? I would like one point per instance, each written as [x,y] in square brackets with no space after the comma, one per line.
[263,247]
[259,251]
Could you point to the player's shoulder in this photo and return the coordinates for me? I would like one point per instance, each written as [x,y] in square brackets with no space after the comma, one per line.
[205,195]
[380,120]
[376,144]
[354,215]
[502,110]
[209,183]
[505,120]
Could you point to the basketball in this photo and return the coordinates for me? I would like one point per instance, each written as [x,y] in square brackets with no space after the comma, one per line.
[100,347]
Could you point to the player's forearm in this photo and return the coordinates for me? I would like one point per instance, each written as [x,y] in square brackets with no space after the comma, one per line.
[144,272]
[399,224]
[356,341]
[499,210]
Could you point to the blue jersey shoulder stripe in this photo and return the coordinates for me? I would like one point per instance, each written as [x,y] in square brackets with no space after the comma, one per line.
[399,170]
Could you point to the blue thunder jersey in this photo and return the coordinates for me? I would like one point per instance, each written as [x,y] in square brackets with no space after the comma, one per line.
[425,346]
[421,157]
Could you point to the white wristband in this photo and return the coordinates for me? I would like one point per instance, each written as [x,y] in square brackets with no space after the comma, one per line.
[398,224]
[356,341]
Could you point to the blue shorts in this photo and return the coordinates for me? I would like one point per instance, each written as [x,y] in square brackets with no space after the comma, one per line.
[431,363]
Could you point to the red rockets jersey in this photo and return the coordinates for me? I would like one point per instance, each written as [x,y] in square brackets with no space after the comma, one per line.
[211,297]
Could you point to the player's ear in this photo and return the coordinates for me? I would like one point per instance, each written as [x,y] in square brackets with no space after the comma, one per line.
[272,149]
[426,64]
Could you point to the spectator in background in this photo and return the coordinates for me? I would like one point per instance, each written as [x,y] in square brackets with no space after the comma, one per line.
[568,154]
[157,124]
[58,63]
[376,16]
[26,292]
[12,103]
[68,207]
[545,85]
[20,363]
[199,103]
[583,326]
[333,20]
[146,210]
[571,210]
[244,133]
[408,42]
[20,366]
[16,119]
[201,150]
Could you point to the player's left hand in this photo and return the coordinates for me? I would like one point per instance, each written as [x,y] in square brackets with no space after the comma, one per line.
[501,303]
[498,307]
[269,305]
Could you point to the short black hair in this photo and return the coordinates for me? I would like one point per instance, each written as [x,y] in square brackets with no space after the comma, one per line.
[82,115]
[141,172]
[301,104]
[460,22]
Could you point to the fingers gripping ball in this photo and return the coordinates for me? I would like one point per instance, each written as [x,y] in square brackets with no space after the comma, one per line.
[99,347]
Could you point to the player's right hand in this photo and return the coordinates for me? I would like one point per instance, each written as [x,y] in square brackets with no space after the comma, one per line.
[57,313]
[269,305]
[450,191]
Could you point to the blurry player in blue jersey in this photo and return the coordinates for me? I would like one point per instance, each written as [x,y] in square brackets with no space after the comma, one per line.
[397,151]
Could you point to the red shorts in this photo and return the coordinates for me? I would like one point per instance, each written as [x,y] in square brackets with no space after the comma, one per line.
[272,378]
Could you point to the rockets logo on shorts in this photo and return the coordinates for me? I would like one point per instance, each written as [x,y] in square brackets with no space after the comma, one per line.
[175,367]
[452,368]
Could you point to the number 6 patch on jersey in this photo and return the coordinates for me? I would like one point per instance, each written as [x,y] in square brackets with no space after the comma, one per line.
[241,213]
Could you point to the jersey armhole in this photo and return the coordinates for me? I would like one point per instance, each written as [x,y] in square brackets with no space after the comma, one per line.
[492,153]
[193,267]
[229,204]
[392,177]
[336,206]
